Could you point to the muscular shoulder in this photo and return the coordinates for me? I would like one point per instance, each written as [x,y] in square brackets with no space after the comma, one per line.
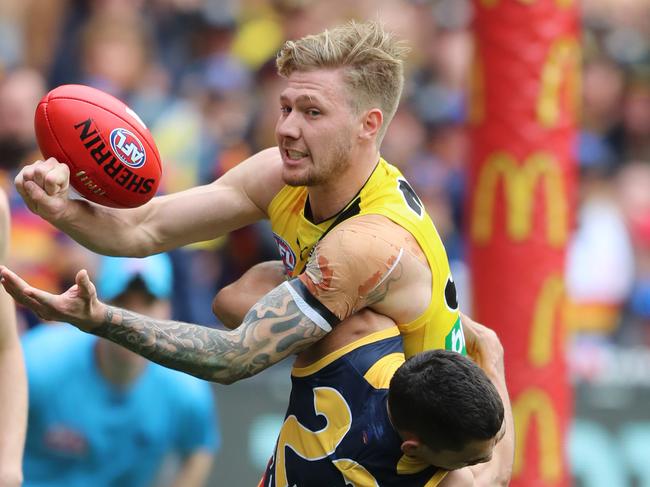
[368,261]
[380,229]
[259,177]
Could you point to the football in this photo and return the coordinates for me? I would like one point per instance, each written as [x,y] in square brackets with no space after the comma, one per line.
[111,154]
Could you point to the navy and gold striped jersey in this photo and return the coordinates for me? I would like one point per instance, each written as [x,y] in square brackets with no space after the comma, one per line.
[337,432]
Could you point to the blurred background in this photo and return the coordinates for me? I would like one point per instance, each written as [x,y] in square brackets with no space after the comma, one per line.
[201,74]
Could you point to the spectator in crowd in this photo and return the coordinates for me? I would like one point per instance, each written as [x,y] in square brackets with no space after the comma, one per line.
[100,415]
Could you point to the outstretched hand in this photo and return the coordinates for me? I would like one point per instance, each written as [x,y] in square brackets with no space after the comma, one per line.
[78,305]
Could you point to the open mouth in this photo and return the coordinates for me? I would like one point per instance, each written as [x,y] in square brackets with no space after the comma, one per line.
[294,155]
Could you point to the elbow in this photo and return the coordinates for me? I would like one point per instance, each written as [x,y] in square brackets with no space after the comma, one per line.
[226,372]
[225,381]
[225,377]
[221,307]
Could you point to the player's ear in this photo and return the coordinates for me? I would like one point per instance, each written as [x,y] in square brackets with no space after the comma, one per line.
[410,447]
[371,123]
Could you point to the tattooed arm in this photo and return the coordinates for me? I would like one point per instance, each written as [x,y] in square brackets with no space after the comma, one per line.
[273,329]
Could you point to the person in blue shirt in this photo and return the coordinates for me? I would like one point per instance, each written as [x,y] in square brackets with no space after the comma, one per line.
[102,416]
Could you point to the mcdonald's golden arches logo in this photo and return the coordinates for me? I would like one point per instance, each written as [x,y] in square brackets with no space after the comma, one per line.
[547,309]
[535,405]
[561,68]
[519,184]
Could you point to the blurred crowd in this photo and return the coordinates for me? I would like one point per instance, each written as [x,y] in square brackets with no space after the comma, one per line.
[201,74]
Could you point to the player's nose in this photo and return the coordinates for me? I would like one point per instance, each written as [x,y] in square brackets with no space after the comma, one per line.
[288,126]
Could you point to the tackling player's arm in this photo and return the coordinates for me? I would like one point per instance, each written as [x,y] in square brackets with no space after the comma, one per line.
[236,199]
[232,302]
[13,381]
[498,471]
[484,347]
[285,321]
[277,326]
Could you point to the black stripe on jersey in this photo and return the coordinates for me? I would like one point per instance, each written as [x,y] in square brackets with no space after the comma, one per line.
[298,286]
[352,210]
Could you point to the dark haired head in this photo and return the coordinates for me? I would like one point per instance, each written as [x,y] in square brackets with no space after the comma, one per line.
[445,400]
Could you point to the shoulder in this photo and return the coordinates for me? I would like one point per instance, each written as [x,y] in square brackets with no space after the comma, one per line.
[379,227]
[370,260]
[365,232]
[371,240]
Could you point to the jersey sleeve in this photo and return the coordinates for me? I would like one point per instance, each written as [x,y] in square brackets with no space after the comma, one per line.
[347,268]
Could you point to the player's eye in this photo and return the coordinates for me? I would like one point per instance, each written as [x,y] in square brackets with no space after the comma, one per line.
[285,110]
[312,112]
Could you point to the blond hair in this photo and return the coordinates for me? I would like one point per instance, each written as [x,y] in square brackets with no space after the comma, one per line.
[372,59]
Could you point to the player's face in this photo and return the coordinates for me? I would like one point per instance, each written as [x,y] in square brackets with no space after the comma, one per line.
[316,129]
[475,452]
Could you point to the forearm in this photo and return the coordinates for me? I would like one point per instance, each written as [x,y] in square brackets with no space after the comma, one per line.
[204,352]
[104,230]
[164,223]
[270,332]
[13,413]
[195,470]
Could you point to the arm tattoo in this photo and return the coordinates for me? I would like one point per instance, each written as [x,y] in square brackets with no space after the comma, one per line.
[379,293]
[273,329]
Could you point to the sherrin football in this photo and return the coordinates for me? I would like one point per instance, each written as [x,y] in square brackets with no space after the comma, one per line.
[111,154]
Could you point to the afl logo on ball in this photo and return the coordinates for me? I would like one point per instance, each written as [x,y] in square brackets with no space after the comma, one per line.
[128,148]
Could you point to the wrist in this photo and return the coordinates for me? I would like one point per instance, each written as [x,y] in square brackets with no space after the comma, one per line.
[67,214]
[98,315]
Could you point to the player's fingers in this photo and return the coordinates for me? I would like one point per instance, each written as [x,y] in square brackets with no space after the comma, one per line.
[42,169]
[33,192]
[17,288]
[26,173]
[56,180]
[85,286]
[20,185]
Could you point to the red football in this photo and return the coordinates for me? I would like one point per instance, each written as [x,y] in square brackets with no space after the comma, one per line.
[112,157]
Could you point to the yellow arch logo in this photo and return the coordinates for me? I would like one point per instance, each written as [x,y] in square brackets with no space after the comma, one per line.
[535,405]
[562,68]
[520,182]
[547,309]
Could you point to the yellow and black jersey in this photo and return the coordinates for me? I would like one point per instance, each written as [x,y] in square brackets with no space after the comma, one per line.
[337,432]
[386,193]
